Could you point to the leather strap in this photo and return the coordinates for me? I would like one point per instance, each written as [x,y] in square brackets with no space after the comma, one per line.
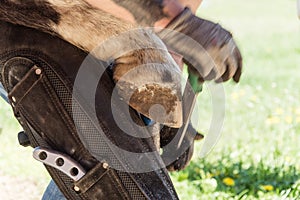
[42,100]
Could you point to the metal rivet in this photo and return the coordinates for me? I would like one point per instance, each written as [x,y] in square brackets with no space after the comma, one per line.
[38,71]
[161,151]
[13,98]
[76,188]
[105,165]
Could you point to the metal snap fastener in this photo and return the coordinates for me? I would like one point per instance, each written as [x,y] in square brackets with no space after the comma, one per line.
[105,165]
[76,188]
[38,71]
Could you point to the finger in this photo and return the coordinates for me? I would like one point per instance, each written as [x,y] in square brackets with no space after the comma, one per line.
[237,75]
[224,59]
[221,69]
[192,70]
[202,66]
[201,80]
[210,76]
[232,66]
[224,77]
[238,72]
[218,57]
[199,136]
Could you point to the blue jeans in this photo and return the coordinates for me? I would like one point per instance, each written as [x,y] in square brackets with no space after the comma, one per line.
[52,192]
[3,93]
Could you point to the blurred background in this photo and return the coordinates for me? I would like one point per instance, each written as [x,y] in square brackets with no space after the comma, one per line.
[257,156]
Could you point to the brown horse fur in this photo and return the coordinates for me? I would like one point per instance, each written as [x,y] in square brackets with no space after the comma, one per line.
[86,27]
[74,20]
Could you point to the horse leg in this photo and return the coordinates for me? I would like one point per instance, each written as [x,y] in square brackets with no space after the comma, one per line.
[87,27]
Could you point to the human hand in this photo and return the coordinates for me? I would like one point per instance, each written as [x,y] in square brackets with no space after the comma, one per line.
[208,49]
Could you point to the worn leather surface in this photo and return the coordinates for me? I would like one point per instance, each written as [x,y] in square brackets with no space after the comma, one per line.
[36,102]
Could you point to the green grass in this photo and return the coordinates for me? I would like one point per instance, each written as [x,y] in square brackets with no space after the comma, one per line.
[261,132]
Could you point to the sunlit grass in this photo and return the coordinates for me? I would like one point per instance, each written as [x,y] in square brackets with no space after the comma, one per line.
[258,155]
